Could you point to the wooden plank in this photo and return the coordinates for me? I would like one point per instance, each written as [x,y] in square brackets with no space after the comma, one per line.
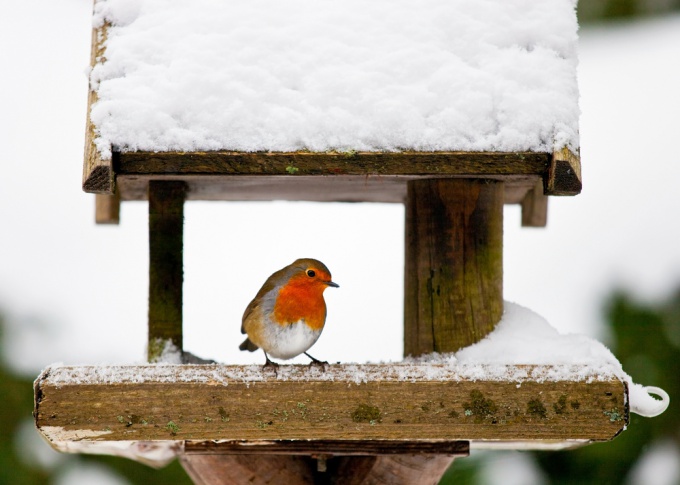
[332,163]
[98,176]
[453,293]
[329,447]
[107,208]
[564,174]
[535,207]
[166,236]
[95,406]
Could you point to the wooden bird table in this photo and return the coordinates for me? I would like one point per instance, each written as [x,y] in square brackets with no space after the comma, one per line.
[352,424]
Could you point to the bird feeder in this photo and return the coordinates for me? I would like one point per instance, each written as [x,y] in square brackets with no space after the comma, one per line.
[451,108]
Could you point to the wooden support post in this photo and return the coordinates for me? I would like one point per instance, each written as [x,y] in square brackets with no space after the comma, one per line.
[535,207]
[453,293]
[166,220]
[107,208]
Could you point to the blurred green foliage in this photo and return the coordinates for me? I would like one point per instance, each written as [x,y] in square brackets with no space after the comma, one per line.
[590,11]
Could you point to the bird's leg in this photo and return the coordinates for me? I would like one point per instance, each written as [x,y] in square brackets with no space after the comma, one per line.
[269,363]
[314,361]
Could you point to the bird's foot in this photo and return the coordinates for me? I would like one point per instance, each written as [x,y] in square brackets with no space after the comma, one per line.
[270,364]
[317,362]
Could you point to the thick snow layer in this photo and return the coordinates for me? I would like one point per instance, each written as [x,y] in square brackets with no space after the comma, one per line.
[473,75]
[523,337]
[522,347]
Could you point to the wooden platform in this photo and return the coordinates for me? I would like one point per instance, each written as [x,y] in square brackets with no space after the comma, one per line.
[152,413]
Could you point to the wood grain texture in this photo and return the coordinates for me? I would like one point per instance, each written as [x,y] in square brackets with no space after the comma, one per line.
[98,175]
[166,276]
[564,174]
[203,403]
[332,163]
[453,292]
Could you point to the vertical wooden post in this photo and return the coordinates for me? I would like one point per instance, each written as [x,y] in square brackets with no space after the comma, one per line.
[166,220]
[107,208]
[453,293]
[535,207]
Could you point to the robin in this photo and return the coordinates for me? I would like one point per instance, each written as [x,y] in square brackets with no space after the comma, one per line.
[287,315]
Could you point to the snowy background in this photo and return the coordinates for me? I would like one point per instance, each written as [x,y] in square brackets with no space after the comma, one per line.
[75,292]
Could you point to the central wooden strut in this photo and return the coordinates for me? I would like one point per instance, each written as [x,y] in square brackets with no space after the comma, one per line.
[453,277]
[166,276]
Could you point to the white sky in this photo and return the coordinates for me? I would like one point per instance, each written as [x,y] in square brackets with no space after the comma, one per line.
[76,292]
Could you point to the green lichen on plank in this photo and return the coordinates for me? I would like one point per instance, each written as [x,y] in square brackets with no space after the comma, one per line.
[172,427]
[480,407]
[614,415]
[560,407]
[536,408]
[366,413]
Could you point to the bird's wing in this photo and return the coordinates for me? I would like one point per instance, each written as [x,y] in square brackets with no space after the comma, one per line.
[266,288]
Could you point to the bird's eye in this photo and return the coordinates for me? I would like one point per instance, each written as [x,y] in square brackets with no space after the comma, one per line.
[311,273]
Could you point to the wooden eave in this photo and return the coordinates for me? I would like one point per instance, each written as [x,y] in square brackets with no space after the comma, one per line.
[158,412]
[328,176]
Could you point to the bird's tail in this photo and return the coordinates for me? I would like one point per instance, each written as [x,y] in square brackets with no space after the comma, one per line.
[248,345]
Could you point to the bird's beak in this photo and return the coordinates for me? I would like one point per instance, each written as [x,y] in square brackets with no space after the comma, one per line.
[330,283]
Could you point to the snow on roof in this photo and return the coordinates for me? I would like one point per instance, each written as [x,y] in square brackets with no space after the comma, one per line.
[523,347]
[319,75]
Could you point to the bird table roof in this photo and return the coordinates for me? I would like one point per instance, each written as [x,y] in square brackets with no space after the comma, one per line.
[387,79]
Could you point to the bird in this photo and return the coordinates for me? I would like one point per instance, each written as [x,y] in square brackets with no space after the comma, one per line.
[287,315]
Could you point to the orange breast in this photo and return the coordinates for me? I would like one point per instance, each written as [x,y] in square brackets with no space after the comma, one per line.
[301,300]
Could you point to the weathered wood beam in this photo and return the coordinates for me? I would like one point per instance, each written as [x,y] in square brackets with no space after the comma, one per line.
[330,447]
[564,174]
[333,163]
[166,236]
[98,175]
[453,293]
[535,207]
[152,406]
